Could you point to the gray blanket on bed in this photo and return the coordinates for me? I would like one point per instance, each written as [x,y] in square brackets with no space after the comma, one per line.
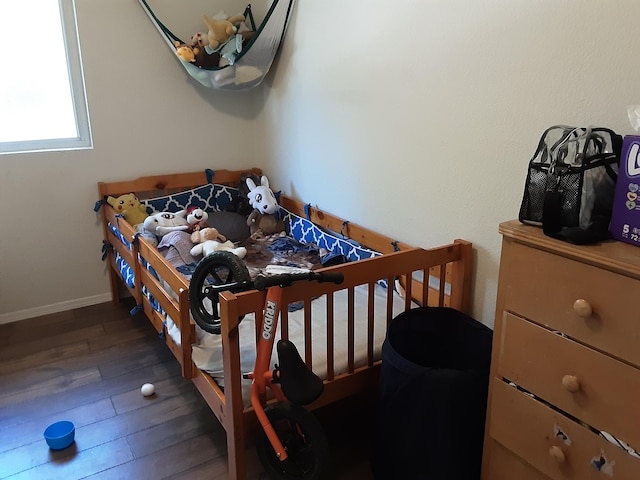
[274,250]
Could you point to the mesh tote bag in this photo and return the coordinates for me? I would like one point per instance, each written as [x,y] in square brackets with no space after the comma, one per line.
[570,183]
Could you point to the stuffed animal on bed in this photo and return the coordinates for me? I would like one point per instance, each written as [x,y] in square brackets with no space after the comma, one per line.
[161,223]
[262,220]
[197,219]
[148,236]
[209,240]
[129,206]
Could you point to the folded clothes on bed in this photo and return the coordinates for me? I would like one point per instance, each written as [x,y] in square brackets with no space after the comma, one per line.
[176,248]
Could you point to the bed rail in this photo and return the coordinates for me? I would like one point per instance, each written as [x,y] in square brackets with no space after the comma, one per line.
[439,276]
[367,238]
[159,185]
[451,290]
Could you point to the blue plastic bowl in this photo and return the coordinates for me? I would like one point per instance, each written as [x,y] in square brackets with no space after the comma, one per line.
[60,435]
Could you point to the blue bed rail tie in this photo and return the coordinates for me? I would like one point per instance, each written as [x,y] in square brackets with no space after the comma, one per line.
[163,333]
[106,246]
[344,225]
[210,174]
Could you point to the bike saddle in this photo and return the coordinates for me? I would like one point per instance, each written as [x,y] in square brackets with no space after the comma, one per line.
[299,384]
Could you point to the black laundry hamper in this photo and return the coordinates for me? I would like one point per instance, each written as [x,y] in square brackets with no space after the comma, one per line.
[432,396]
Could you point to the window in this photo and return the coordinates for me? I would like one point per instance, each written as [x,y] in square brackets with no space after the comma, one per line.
[42,97]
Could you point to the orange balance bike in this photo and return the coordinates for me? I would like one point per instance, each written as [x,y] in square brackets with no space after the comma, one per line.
[293,445]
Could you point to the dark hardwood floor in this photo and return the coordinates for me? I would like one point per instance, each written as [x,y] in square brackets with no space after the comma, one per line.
[87,365]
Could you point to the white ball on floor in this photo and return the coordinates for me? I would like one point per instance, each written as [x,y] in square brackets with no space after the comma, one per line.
[147,389]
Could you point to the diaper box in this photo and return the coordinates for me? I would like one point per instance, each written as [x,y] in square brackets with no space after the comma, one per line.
[625,218]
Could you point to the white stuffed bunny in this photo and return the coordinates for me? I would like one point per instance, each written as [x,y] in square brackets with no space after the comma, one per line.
[262,220]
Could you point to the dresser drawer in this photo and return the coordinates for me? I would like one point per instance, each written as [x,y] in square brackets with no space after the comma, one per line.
[607,392]
[506,465]
[552,443]
[544,287]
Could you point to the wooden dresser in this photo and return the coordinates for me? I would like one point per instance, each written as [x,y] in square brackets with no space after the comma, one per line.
[565,361]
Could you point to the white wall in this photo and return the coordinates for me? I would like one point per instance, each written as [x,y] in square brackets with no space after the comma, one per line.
[419,118]
[414,118]
[147,117]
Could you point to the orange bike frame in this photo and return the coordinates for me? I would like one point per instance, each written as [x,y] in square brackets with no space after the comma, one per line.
[262,377]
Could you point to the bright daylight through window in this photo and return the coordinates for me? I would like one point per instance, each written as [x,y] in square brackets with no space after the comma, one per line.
[42,97]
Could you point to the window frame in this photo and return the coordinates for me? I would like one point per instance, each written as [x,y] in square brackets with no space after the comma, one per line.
[84,139]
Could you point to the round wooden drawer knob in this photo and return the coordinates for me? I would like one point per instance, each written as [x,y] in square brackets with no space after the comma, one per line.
[571,383]
[582,308]
[557,454]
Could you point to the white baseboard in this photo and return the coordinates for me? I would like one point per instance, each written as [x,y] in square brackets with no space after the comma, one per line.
[55,308]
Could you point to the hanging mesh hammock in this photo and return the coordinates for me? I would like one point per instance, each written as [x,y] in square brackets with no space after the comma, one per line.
[252,63]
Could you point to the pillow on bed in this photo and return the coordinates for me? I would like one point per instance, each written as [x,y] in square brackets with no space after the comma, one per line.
[230,224]
[176,246]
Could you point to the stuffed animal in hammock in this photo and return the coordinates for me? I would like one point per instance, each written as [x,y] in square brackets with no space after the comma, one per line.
[186,52]
[209,240]
[261,220]
[220,30]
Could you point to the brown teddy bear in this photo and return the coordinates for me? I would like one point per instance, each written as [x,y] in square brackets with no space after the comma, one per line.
[220,30]
[209,240]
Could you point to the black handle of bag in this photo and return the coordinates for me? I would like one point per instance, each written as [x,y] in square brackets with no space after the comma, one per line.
[552,202]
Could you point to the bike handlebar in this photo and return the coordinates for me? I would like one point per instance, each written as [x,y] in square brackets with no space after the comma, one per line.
[286,279]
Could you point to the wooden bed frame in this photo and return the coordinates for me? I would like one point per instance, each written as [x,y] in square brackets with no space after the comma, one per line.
[450,264]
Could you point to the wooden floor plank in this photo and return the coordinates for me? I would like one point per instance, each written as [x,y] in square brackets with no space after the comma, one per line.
[87,365]
[44,326]
[71,464]
[171,387]
[60,402]
[39,343]
[51,386]
[177,430]
[42,359]
[31,431]
[168,461]
[111,362]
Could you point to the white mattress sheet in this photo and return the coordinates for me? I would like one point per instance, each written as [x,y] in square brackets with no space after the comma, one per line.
[207,352]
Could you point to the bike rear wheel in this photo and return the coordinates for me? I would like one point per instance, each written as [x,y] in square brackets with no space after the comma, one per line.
[217,272]
[304,440]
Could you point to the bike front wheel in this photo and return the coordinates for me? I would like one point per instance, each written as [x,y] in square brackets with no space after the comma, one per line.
[303,439]
[215,273]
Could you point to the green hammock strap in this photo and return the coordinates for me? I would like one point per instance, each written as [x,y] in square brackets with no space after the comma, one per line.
[161,25]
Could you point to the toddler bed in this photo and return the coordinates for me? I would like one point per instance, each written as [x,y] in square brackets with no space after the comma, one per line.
[338,329]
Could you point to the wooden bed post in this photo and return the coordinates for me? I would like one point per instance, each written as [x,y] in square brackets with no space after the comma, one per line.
[114,280]
[137,269]
[233,405]
[184,323]
[461,272]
